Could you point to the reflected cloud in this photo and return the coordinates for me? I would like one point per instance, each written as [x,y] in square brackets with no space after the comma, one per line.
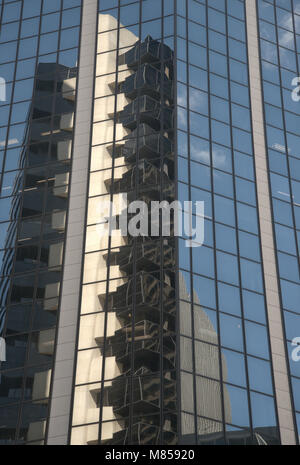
[9,142]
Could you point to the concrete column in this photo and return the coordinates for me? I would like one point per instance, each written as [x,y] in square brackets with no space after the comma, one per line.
[60,407]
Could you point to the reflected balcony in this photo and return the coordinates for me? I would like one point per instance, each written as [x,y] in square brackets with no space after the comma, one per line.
[143,433]
[145,395]
[58,220]
[64,150]
[144,354]
[51,296]
[148,143]
[46,342]
[61,185]
[147,291]
[149,51]
[149,111]
[149,181]
[36,431]
[147,256]
[148,80]
[41,386]
[67,122]
[69,89]
[55,256]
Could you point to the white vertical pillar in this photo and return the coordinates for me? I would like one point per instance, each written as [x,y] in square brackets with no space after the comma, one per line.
[60,406]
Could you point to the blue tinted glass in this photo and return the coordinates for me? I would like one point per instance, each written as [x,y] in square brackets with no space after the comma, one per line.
[11,12]
[226,238]
[48,43]
[8,52]
[257,340]
[251,276]
[71,17]
[231,332]
[31,8]
[247,218]
[260,375]
[51,5]
[30,27]
[50,22]
[205,291]
[27,48]
[9,32]
[238,405]
[235,364]
[263,410]
[290,296]
[203,261]
[249,246]
[229,299]
[224,210]
[254,306]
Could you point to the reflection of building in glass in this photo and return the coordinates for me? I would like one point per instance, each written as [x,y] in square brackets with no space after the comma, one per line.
[138,347]
[157,364]
[114,340]
[143,352]
[208,390]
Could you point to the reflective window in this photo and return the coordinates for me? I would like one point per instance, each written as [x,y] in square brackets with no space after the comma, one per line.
[36,137]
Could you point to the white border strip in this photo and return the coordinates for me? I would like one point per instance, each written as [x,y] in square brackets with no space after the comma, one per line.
[65,351]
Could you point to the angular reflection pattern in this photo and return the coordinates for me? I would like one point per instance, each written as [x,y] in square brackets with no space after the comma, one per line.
[173,344]
[138,349]
[40,202]
[157,364]
[37,155]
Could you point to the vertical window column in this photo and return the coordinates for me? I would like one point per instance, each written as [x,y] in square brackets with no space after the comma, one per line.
[269,263]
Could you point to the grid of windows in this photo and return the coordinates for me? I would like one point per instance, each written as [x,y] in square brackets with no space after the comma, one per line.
[125,374]
[227,387]
[279,30]
[38,67]
[225,377]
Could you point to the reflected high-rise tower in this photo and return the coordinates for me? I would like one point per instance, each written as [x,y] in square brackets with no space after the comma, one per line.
[34,239]
[115,339]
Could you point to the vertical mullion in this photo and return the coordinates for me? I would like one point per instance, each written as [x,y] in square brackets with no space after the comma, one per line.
[135,240]
[177,318]
[191,249]
[161,240]
[236,225]
[213,218]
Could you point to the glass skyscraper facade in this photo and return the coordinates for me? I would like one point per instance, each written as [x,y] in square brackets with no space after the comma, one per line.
[112,339]
[39,59]
[279,32]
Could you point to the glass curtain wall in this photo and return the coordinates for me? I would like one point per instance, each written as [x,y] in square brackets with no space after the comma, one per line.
[136,366]
[279,31]
[125,380]
[39,42]
[227,391]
